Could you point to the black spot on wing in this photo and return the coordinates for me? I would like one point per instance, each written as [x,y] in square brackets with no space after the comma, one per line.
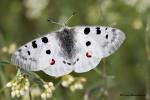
[98,31]
[113,30]
[48,52]
[87,30]
[88,43]
[69,63]
[44,39]
[76,61]
[28,52]
[64,62]
[106,36]
[34,45]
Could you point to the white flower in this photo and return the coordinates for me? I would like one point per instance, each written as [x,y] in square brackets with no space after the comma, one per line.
[76,86]
[43,96]
[65,84]
[82,79]
[48,90]
[14,83]
[46,86]
[21,92]
[50,84]
[13,94]
[17,92]
[72,88]
[26,88]
[67,80]
[48,95]
[9,84]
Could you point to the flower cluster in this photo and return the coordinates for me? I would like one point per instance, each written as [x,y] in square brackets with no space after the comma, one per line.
[78,83]
[48,90]
[74,83]
[19,85]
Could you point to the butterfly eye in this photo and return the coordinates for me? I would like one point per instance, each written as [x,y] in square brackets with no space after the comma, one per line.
[88,55]
[52,62]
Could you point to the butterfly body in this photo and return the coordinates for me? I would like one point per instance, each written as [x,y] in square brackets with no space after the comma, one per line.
[66,39]
[78,49]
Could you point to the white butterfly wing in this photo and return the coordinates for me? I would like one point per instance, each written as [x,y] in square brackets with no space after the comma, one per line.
[27,56]
[108,39]
[99,41]
[89,54]
[42,54]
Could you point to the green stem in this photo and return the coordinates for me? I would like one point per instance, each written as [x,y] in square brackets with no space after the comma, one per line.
[98,71]
[30,96]
[148,66]
[58,84]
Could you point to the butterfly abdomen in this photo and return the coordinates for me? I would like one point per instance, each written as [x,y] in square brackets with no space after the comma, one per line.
[67,42]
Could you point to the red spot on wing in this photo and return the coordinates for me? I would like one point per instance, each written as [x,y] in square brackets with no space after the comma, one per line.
[88,55]
[52,62]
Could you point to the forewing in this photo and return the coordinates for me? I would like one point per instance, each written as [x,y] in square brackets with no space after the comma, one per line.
[27,56]
[108,39]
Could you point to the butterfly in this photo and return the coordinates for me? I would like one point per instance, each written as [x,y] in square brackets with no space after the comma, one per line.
[78,48]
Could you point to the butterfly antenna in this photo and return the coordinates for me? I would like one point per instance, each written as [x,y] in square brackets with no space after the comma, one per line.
[69,18]
[60,24]
[49,20]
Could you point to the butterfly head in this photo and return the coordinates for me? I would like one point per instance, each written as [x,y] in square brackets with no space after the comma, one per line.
[63,25]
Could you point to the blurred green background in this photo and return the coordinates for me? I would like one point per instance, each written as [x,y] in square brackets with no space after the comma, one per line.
[124,72]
